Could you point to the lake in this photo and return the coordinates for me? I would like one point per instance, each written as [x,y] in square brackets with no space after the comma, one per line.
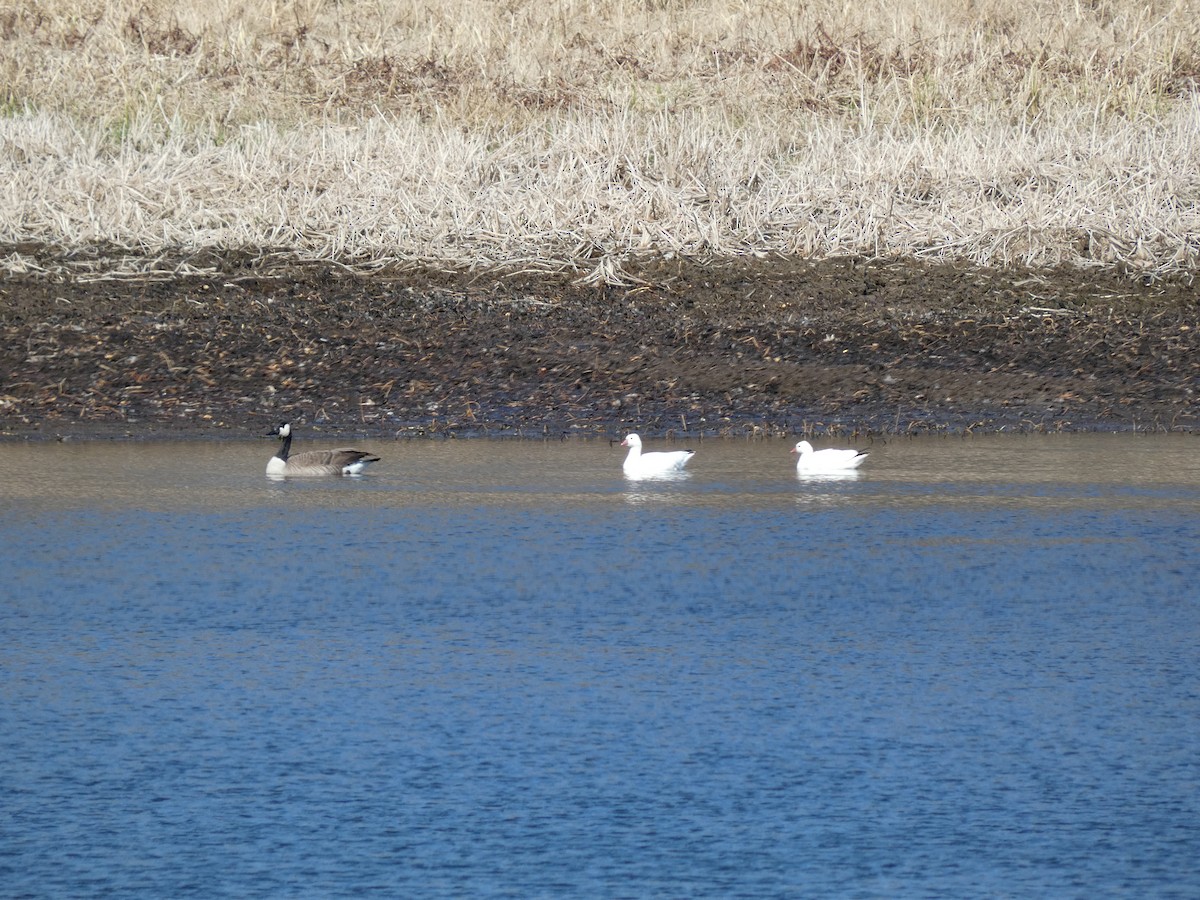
[499,669]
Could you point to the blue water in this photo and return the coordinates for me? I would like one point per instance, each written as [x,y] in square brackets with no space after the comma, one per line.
[738,685]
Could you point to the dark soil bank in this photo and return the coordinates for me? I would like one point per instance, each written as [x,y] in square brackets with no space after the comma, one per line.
[843,346]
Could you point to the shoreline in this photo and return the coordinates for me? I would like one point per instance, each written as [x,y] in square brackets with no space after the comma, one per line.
[775,346]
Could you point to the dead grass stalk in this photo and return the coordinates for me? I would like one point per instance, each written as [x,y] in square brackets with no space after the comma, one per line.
[577,135]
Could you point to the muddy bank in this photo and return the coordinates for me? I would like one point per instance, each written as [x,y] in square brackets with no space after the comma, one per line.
[782,346]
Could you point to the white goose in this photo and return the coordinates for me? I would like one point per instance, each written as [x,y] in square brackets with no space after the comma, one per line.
[638,464]
[824,461]
[315,462]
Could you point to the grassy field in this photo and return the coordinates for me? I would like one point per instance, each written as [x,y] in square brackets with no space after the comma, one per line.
[139,136]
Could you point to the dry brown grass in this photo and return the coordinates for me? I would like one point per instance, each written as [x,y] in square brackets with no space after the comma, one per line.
[579,134]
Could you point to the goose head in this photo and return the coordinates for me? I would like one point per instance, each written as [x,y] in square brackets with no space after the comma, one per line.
[282,430]
[631,440]
[802,448]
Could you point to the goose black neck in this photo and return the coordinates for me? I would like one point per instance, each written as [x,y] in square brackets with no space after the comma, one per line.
[286,448]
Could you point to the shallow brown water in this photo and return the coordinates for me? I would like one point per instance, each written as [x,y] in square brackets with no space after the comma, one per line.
[228,474]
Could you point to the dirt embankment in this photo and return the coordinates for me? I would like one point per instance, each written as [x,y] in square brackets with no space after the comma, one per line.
[842,346]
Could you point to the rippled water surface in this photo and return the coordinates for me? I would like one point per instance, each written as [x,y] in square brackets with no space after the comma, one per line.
[499,669]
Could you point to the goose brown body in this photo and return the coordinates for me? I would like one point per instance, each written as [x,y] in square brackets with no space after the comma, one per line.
[342,461]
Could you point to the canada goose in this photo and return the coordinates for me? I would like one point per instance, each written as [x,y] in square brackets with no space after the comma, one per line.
[315,462]
[638,464]
[832,460]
